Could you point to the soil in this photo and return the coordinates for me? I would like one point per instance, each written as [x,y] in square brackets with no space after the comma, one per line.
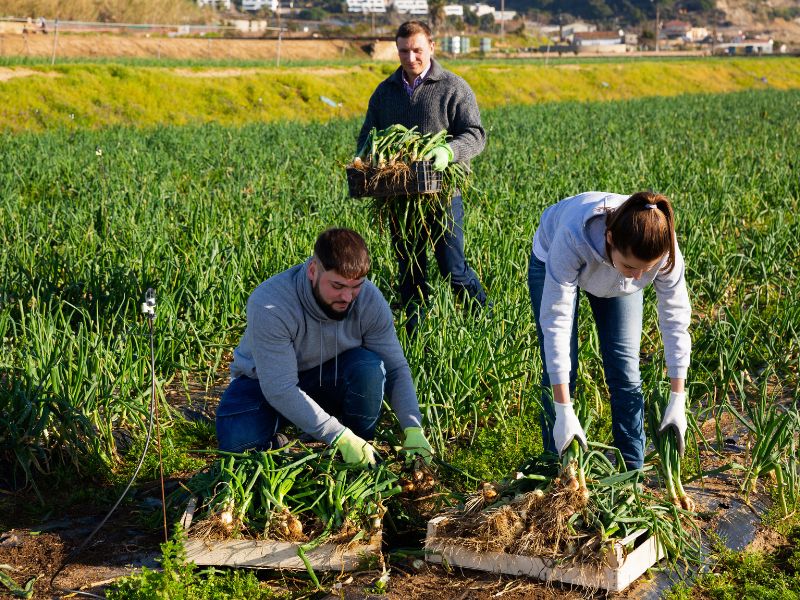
[37,547]
[40,551]
[139,46]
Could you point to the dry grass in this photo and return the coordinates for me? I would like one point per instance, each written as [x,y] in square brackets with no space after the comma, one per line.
[119,11]
[532,524]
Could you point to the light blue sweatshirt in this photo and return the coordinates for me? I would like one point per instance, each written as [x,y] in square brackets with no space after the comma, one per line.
[287,332]
[570,240]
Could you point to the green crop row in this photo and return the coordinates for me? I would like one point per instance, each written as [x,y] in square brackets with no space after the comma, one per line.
[89,220]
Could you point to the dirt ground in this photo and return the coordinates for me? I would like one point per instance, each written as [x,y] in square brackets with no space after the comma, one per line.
[139,46]
[126,543]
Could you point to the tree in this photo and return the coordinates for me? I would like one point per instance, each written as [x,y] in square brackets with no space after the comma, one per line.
[333,6]
[470,18]
[436,12]
[315,13]
[456,23]
[486,23]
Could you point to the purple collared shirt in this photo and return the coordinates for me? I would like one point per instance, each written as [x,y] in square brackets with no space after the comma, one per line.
[410,87]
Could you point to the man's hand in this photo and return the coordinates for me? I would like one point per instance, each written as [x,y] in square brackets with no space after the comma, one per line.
[416,443]
[567,427]
[441,157]
[354,450]
[675,416]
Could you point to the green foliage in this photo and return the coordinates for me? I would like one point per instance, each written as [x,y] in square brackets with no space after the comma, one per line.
[147,93]
[178,439]
[90,219]
[499,450]
[17,591]
[315,13]
[180,580]
[772,576]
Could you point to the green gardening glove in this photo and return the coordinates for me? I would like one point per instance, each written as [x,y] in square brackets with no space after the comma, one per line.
[415,443]
[441,157]
[354,449]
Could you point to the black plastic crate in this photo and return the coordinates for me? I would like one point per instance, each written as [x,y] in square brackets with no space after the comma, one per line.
[421,179]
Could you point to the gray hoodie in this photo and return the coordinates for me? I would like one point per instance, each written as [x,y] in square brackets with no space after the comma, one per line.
[570,240]
[287,332]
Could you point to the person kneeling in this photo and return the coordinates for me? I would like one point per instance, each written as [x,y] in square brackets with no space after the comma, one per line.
[318,351]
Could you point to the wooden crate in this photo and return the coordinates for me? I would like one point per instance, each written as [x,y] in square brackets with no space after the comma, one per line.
[632,556]
[422,179]
[266,554]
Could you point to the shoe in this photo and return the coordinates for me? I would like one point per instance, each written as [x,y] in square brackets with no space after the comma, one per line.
[278,441]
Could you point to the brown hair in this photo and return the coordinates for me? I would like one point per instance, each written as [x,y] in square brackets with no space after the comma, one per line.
[644,226]
[409,28]
[344,251]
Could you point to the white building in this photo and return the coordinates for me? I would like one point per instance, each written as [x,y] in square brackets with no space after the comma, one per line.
[746,46]
[366,6]
[698,34]
[569,30]
[411,7]
[217,4]
[254,5]
[453,10]
[481,9]
[599,42]
[505,15]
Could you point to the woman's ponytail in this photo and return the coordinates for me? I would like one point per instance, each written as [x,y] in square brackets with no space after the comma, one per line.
[644,226]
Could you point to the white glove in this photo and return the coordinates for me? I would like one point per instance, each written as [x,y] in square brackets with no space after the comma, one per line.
[675,416]
[567,427]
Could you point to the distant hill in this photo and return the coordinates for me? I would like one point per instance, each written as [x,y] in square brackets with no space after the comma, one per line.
[761,14]
[119,11]
[779,19]
[611,12]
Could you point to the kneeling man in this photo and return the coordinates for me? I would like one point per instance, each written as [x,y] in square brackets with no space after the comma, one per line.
[318,351]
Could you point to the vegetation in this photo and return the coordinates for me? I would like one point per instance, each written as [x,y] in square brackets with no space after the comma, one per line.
[179,580]
[117,11]
[89,219]
[78,96]
[757,574]
[205,213]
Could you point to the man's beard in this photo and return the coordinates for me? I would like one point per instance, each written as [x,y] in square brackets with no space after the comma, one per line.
[330,312]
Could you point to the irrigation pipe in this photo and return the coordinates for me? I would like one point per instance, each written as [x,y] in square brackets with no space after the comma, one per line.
[149,310]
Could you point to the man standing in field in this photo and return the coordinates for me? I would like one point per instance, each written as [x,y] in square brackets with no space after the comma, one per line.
[318,350]
[422,94]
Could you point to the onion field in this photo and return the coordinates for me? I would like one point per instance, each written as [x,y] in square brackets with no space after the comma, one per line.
[202,214]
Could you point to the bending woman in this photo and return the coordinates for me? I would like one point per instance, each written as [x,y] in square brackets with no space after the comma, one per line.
[610,247]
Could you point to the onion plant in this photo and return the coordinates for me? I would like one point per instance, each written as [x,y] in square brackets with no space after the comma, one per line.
[293,494]
[773,429]
[666,445]
[388,157]
[264,494]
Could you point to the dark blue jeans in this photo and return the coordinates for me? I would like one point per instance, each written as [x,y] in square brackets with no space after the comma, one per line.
[448,248]
[351,390]
[619,329]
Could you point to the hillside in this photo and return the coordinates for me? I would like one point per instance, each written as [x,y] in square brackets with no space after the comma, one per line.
[781,18]
[781,15]
[78,96]
[119,11]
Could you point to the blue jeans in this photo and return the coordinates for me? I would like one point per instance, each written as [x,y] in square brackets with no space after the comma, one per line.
[619,329]
[448,248]
[351,390]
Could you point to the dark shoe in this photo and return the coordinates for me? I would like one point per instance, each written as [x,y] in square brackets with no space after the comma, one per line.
[415,314]
[278,441]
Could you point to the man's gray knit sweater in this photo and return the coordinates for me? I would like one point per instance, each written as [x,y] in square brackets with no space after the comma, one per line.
[442,101]
[287,332]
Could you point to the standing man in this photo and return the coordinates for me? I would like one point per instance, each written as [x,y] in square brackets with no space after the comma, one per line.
[318,350]
[423,94]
